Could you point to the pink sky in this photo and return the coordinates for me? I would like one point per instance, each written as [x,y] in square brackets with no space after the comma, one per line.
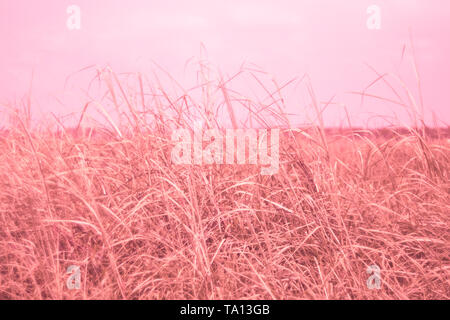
[327,39]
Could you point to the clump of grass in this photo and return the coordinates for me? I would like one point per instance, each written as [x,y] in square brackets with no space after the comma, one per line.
[108,199]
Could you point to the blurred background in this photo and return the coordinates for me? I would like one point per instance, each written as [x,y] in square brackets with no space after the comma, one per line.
[339,45]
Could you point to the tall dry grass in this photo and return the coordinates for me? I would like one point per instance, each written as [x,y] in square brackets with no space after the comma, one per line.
[109,200]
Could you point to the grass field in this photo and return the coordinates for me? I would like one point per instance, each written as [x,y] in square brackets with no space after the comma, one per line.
[111,202]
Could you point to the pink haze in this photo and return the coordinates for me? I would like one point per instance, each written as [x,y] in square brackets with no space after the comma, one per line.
[326,39]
